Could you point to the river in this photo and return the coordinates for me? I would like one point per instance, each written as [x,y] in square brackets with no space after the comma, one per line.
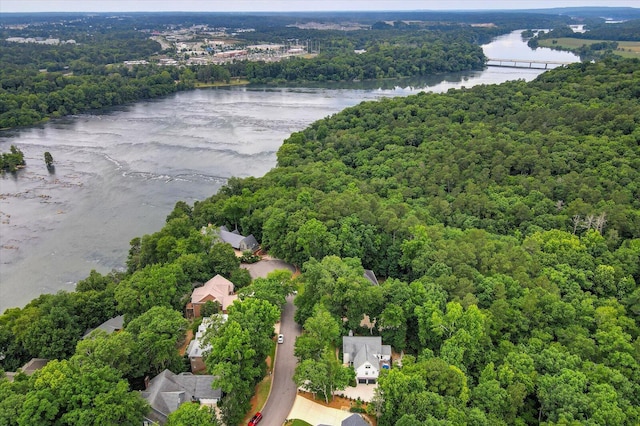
[118,173]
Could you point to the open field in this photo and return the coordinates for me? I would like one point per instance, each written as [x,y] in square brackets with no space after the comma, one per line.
[627,49]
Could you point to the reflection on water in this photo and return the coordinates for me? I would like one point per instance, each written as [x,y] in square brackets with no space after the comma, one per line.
[119,173]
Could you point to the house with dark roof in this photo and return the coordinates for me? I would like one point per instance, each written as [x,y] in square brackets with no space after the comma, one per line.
[217,289]
[109,326]
[354,420]
[29,368]
[237,241]
[367,355]
[167,391]
[371,277]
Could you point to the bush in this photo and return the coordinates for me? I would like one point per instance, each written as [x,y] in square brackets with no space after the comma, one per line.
[249,257]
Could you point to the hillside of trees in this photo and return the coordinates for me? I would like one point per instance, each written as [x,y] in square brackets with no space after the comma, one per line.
[503,222]
[506,220]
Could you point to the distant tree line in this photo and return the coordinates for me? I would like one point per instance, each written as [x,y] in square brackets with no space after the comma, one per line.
[38,81]
[608,35]
[429,55]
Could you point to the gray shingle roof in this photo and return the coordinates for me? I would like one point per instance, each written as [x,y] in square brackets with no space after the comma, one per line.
[371,276]
[109,326]
[354,420]
[364,348]
[168,390]
[238,241]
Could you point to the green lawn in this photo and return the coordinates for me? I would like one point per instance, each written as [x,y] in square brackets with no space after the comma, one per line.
[297,422]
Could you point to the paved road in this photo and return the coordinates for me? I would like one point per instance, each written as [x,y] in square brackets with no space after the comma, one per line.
[283,389]
[262,268]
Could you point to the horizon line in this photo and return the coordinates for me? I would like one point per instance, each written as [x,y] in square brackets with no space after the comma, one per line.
[321,11]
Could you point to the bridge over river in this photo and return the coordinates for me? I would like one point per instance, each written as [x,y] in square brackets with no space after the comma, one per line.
[524,63]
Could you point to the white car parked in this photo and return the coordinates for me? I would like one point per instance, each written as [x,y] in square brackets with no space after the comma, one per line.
[280,338]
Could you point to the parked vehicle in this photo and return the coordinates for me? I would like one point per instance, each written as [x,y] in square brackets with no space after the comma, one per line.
[280,338]
[255,419]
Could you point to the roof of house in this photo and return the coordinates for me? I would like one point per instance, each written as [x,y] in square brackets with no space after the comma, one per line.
[29,368]
[361,349]
[195,348]
[365,354]
[220,288]
[237,241]
[34,365]
[354,420]
[371,276]
[168,390]
[110,326]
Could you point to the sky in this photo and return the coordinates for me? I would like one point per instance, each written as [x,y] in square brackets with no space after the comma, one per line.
[10,6]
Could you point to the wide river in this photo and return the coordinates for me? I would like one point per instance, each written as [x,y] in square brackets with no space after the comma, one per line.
[119,173]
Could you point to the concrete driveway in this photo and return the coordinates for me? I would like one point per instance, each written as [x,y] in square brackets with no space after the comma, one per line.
[309,411]
[362,391]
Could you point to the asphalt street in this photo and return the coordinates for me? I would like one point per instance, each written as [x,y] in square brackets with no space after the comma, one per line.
[283,389]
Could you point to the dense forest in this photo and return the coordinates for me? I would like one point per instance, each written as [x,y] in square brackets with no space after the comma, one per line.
[507,223]
[503,222]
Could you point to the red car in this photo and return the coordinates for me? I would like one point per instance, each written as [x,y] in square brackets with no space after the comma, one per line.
[255,419]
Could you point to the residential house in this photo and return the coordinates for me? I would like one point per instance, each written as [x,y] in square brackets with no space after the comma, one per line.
[354,420]
[109,326]
[167,391]
[29,368]
[217,289]
[237,241]
[196,348]
[367,355]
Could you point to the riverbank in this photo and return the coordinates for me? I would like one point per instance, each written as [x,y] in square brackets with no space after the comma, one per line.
[231,83]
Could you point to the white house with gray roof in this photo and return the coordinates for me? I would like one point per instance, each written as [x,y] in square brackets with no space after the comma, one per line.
[367,355]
